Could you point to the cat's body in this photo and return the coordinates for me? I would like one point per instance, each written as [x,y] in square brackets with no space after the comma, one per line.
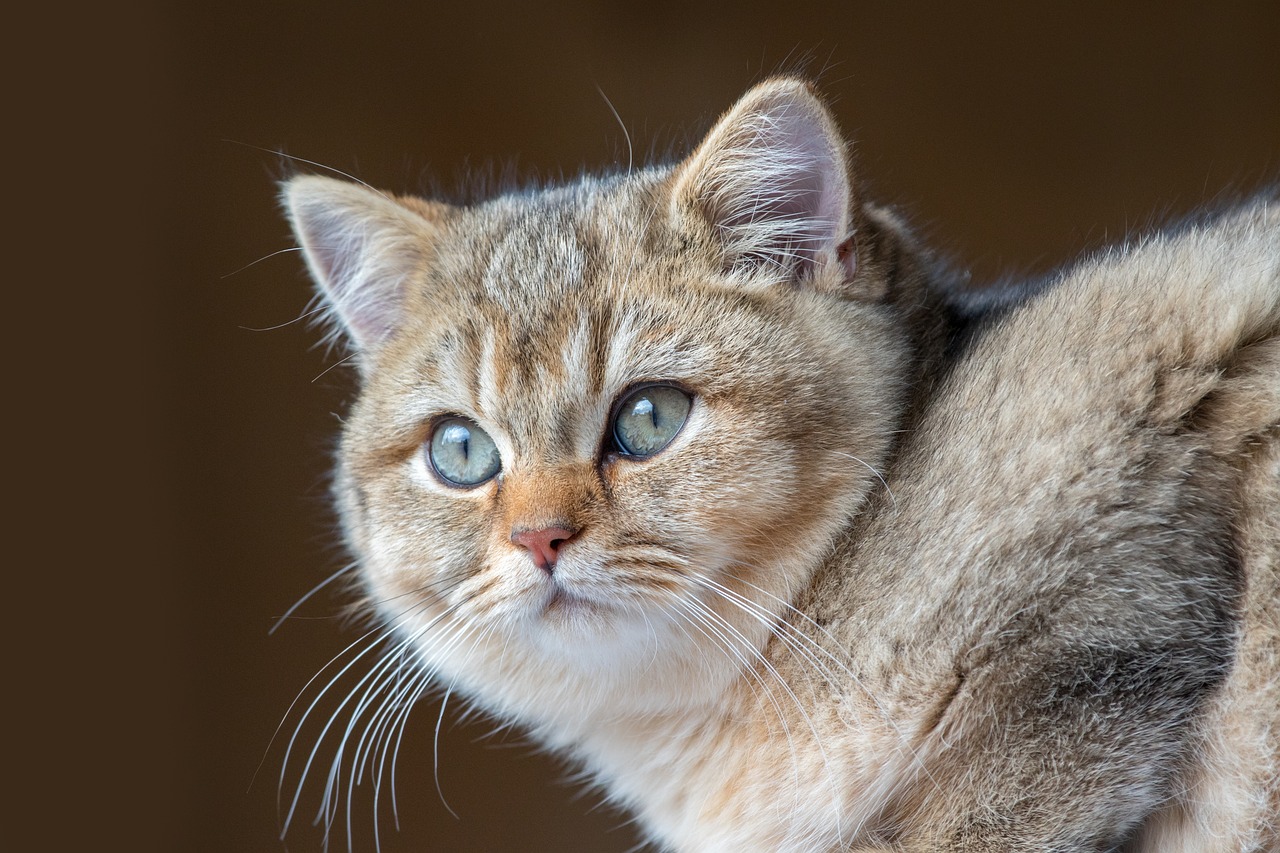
[902,579]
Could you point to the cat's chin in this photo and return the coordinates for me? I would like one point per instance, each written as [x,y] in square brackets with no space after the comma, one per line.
[573,625]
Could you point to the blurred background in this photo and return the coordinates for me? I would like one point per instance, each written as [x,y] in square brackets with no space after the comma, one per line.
[179,424]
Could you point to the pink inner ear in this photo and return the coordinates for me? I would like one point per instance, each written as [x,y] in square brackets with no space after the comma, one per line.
[847,255]
[775,184]
[359,248]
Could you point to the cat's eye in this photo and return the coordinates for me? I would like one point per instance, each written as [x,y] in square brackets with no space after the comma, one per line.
[461,453]
[648,418]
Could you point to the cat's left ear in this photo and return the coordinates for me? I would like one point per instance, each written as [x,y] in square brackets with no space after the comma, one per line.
[363,249]
[770,186]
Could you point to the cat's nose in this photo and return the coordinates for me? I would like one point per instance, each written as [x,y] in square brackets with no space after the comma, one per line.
[543,544]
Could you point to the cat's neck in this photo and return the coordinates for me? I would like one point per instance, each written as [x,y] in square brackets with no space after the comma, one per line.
[688,773]
[934,313]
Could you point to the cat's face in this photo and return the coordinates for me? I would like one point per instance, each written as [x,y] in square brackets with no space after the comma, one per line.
[597,449]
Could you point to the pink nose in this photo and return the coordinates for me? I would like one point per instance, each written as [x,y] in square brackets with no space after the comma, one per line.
[543,545]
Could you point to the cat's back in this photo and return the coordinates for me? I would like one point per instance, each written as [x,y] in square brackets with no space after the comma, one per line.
[1172,340]
[1177,321]
[1095,494]
[1194,321]
[1161,352]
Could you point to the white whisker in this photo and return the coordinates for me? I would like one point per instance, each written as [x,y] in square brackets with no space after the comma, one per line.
[339,573]
[872,469]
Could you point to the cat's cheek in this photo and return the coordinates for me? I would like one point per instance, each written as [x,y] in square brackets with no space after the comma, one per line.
[387,576]
[414,533]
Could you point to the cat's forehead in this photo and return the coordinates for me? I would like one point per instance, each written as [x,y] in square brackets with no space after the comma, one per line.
[595,240]
[536,257]
[582,350]
[542,309]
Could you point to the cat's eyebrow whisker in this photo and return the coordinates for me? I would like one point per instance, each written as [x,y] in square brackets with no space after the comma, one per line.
[279,153]
[621,124]
[350,356]
[639,243]
[320,309]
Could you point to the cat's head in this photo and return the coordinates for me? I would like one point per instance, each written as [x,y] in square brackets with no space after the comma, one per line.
[606,432]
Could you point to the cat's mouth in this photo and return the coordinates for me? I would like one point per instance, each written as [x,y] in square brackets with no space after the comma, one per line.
[560,601]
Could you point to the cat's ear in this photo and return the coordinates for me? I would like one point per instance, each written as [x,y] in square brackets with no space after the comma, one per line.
[771,181]
[362,247]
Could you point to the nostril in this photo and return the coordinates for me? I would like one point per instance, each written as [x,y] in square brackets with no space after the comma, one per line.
[543,544]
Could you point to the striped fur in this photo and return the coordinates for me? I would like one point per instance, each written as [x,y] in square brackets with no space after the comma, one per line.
[904,581]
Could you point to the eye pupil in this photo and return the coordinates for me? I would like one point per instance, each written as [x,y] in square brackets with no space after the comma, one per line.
[649,418]
[457,434]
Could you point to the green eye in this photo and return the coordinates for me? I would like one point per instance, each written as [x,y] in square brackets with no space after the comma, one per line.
[648,418]
[462,454]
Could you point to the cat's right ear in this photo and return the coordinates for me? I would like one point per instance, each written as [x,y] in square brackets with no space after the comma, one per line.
[770,187]
[362,248]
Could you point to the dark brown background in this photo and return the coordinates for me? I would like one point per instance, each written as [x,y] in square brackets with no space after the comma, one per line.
[178,503]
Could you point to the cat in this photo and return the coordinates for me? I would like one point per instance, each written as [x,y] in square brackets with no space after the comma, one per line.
[711,478]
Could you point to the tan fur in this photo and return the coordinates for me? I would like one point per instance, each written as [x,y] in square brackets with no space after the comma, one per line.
[904,580]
